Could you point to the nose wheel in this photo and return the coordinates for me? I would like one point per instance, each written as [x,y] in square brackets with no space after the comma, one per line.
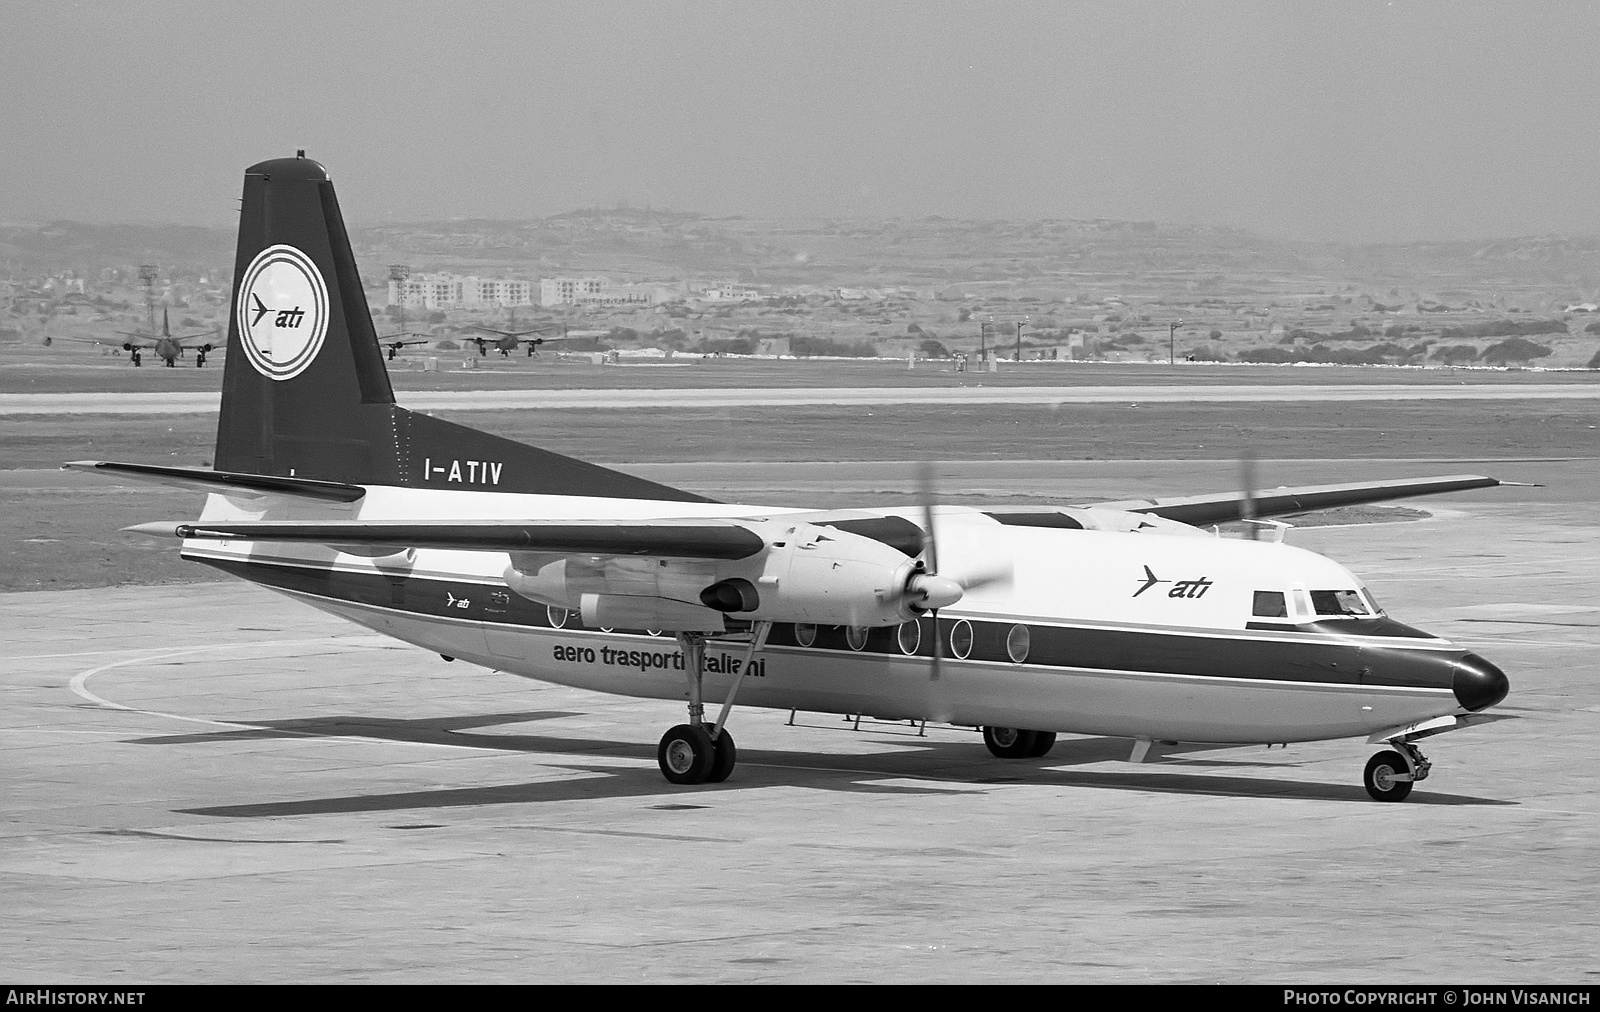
[1390,775]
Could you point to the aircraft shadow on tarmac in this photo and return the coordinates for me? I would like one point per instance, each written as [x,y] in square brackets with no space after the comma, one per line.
[951,764]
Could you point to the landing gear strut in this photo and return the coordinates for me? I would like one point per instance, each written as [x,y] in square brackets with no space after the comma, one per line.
[697,752]
[1390,775]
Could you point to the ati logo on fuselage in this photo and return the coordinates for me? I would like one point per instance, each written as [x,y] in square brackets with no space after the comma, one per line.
[464,472]
[1188,589]
[282,312]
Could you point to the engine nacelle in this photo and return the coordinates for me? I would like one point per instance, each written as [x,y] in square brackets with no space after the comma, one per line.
[809,573]
[621,592]
[614,611]
[821,575]
[562,581]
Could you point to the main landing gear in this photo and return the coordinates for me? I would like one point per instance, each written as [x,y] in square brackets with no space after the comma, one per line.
[1015,743]
[697,752]
[1389,775]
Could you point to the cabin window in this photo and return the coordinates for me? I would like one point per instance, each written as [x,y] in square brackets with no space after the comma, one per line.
[557,616]
[1270,604]
[805,633]
[961,639]
[855,636]
[910,636]
[1339,604]
[1017,642]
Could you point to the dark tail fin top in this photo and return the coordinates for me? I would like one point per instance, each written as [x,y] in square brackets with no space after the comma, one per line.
[305,392]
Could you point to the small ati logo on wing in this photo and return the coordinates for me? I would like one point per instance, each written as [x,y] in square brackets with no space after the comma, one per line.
[282,312]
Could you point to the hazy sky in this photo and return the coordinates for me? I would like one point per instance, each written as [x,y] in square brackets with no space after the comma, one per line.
[1355,120]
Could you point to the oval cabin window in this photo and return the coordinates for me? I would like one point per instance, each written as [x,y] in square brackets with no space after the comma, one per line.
[961,639]
[855,636]
[1017,642]
[910,636]
[805,634]
[557,616]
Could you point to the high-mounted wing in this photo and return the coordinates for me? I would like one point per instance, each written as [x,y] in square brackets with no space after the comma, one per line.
[1202,510]
[505,333]
[104,342]
[692,539]
[650,571]
[226,482]
[181,339]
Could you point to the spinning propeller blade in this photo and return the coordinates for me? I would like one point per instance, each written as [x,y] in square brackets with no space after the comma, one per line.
[1247,483]
[930,551]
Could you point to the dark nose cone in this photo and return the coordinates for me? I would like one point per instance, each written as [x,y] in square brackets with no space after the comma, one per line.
[1478,684]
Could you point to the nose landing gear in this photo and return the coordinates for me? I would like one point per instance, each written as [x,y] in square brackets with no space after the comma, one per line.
[1390,775]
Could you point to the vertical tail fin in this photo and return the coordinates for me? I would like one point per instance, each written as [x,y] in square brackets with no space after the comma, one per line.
[304,388]
[305,392]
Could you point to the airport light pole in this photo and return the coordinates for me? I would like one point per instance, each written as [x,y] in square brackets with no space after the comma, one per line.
[148,274]
[1020,324]
[398,274]
[1172,342]
[983,350]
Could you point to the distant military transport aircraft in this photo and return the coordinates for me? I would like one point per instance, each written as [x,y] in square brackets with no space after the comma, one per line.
[508,340]
[1119,619]
[167,348]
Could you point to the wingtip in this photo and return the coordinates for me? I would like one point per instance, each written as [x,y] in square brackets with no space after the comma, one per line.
[158,529]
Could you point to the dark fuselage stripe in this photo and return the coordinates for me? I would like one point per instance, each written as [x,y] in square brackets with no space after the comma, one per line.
[1216,656]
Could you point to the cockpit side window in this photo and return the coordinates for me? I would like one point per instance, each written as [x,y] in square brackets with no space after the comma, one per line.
[1270,604]
[1340,603]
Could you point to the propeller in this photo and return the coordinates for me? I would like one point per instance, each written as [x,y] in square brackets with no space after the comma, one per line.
[927,590]
[1247,482]
[1247,505]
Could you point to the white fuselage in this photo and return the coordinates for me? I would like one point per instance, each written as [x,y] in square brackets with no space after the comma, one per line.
[1136,634]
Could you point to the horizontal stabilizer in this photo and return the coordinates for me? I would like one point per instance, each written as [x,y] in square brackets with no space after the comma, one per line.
[1203,510]
[225,482]
[689,539]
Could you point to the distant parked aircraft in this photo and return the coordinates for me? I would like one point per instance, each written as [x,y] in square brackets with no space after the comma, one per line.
[168,348]
[507,340]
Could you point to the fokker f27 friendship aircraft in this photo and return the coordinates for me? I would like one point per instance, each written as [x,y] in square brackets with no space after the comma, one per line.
[1119,619]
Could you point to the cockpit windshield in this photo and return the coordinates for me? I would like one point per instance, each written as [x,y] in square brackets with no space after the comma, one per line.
[1340,604]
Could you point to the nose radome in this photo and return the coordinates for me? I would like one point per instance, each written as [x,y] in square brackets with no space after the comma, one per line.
[1478,684]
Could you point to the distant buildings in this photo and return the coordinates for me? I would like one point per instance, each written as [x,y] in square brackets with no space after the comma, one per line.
[64,285]
[731,293]
[600,292]
[442,291]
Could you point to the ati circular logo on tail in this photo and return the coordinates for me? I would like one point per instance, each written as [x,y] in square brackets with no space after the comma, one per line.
[283,312]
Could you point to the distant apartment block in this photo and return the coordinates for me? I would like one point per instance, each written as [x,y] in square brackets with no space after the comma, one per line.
[730,293]
[441,291]
[599,292]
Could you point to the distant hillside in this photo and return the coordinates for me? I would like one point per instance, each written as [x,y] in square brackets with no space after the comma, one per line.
[929,252]
[71,245]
